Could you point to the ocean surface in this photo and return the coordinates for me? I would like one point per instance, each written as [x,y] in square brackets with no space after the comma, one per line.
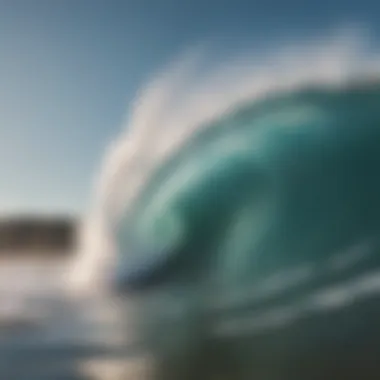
[47,335]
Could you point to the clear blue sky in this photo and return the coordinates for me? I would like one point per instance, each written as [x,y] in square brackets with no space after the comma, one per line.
[68,69]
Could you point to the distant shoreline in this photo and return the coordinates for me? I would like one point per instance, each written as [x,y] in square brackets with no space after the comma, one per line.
[37,236]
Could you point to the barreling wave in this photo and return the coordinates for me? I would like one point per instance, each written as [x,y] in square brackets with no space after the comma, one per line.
[182,101]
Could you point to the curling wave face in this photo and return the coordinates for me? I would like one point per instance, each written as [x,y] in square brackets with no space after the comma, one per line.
[269,183]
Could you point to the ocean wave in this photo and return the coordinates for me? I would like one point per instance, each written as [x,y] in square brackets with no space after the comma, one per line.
[188,127]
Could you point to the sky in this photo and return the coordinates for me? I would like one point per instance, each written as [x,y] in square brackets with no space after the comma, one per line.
[69,69]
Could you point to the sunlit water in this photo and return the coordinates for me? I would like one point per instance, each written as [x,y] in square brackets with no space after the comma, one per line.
[45,334]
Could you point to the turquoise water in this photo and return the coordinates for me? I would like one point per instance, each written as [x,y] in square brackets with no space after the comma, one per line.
[274,184]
